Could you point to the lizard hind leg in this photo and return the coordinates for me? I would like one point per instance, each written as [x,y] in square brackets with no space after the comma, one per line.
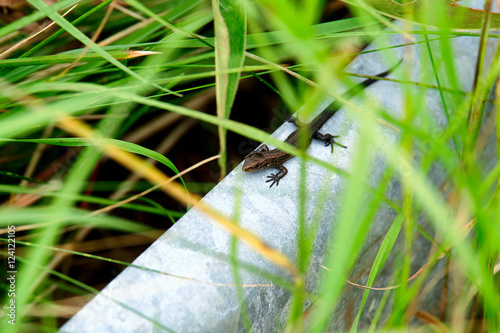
[328,139]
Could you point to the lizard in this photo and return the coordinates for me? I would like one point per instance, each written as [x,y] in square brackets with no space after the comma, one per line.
[263,158]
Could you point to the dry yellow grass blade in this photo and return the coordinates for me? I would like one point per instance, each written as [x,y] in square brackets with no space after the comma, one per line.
[176,191]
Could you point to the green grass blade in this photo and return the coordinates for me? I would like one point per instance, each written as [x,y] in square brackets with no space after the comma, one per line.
[80,142]
[153,208]
[16,176]
[378,263]
[230,32]
[68,58]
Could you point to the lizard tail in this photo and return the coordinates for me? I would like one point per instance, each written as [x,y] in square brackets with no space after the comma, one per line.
[371,80]
[322,118]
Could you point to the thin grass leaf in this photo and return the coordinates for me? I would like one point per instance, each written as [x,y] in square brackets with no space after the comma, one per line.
[16,176]
[255,40]
[382,255]
[81,142]
[15,216]
[153,208]
[68,58]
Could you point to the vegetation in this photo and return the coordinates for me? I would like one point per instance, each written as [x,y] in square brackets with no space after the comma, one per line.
[84,101]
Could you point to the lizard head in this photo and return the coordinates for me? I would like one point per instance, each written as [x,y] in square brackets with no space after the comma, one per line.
[254,161]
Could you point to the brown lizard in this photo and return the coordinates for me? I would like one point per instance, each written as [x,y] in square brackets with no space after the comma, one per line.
[263,158]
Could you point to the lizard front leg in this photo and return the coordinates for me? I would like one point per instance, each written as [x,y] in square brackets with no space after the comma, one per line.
[275,177]
[328,139]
